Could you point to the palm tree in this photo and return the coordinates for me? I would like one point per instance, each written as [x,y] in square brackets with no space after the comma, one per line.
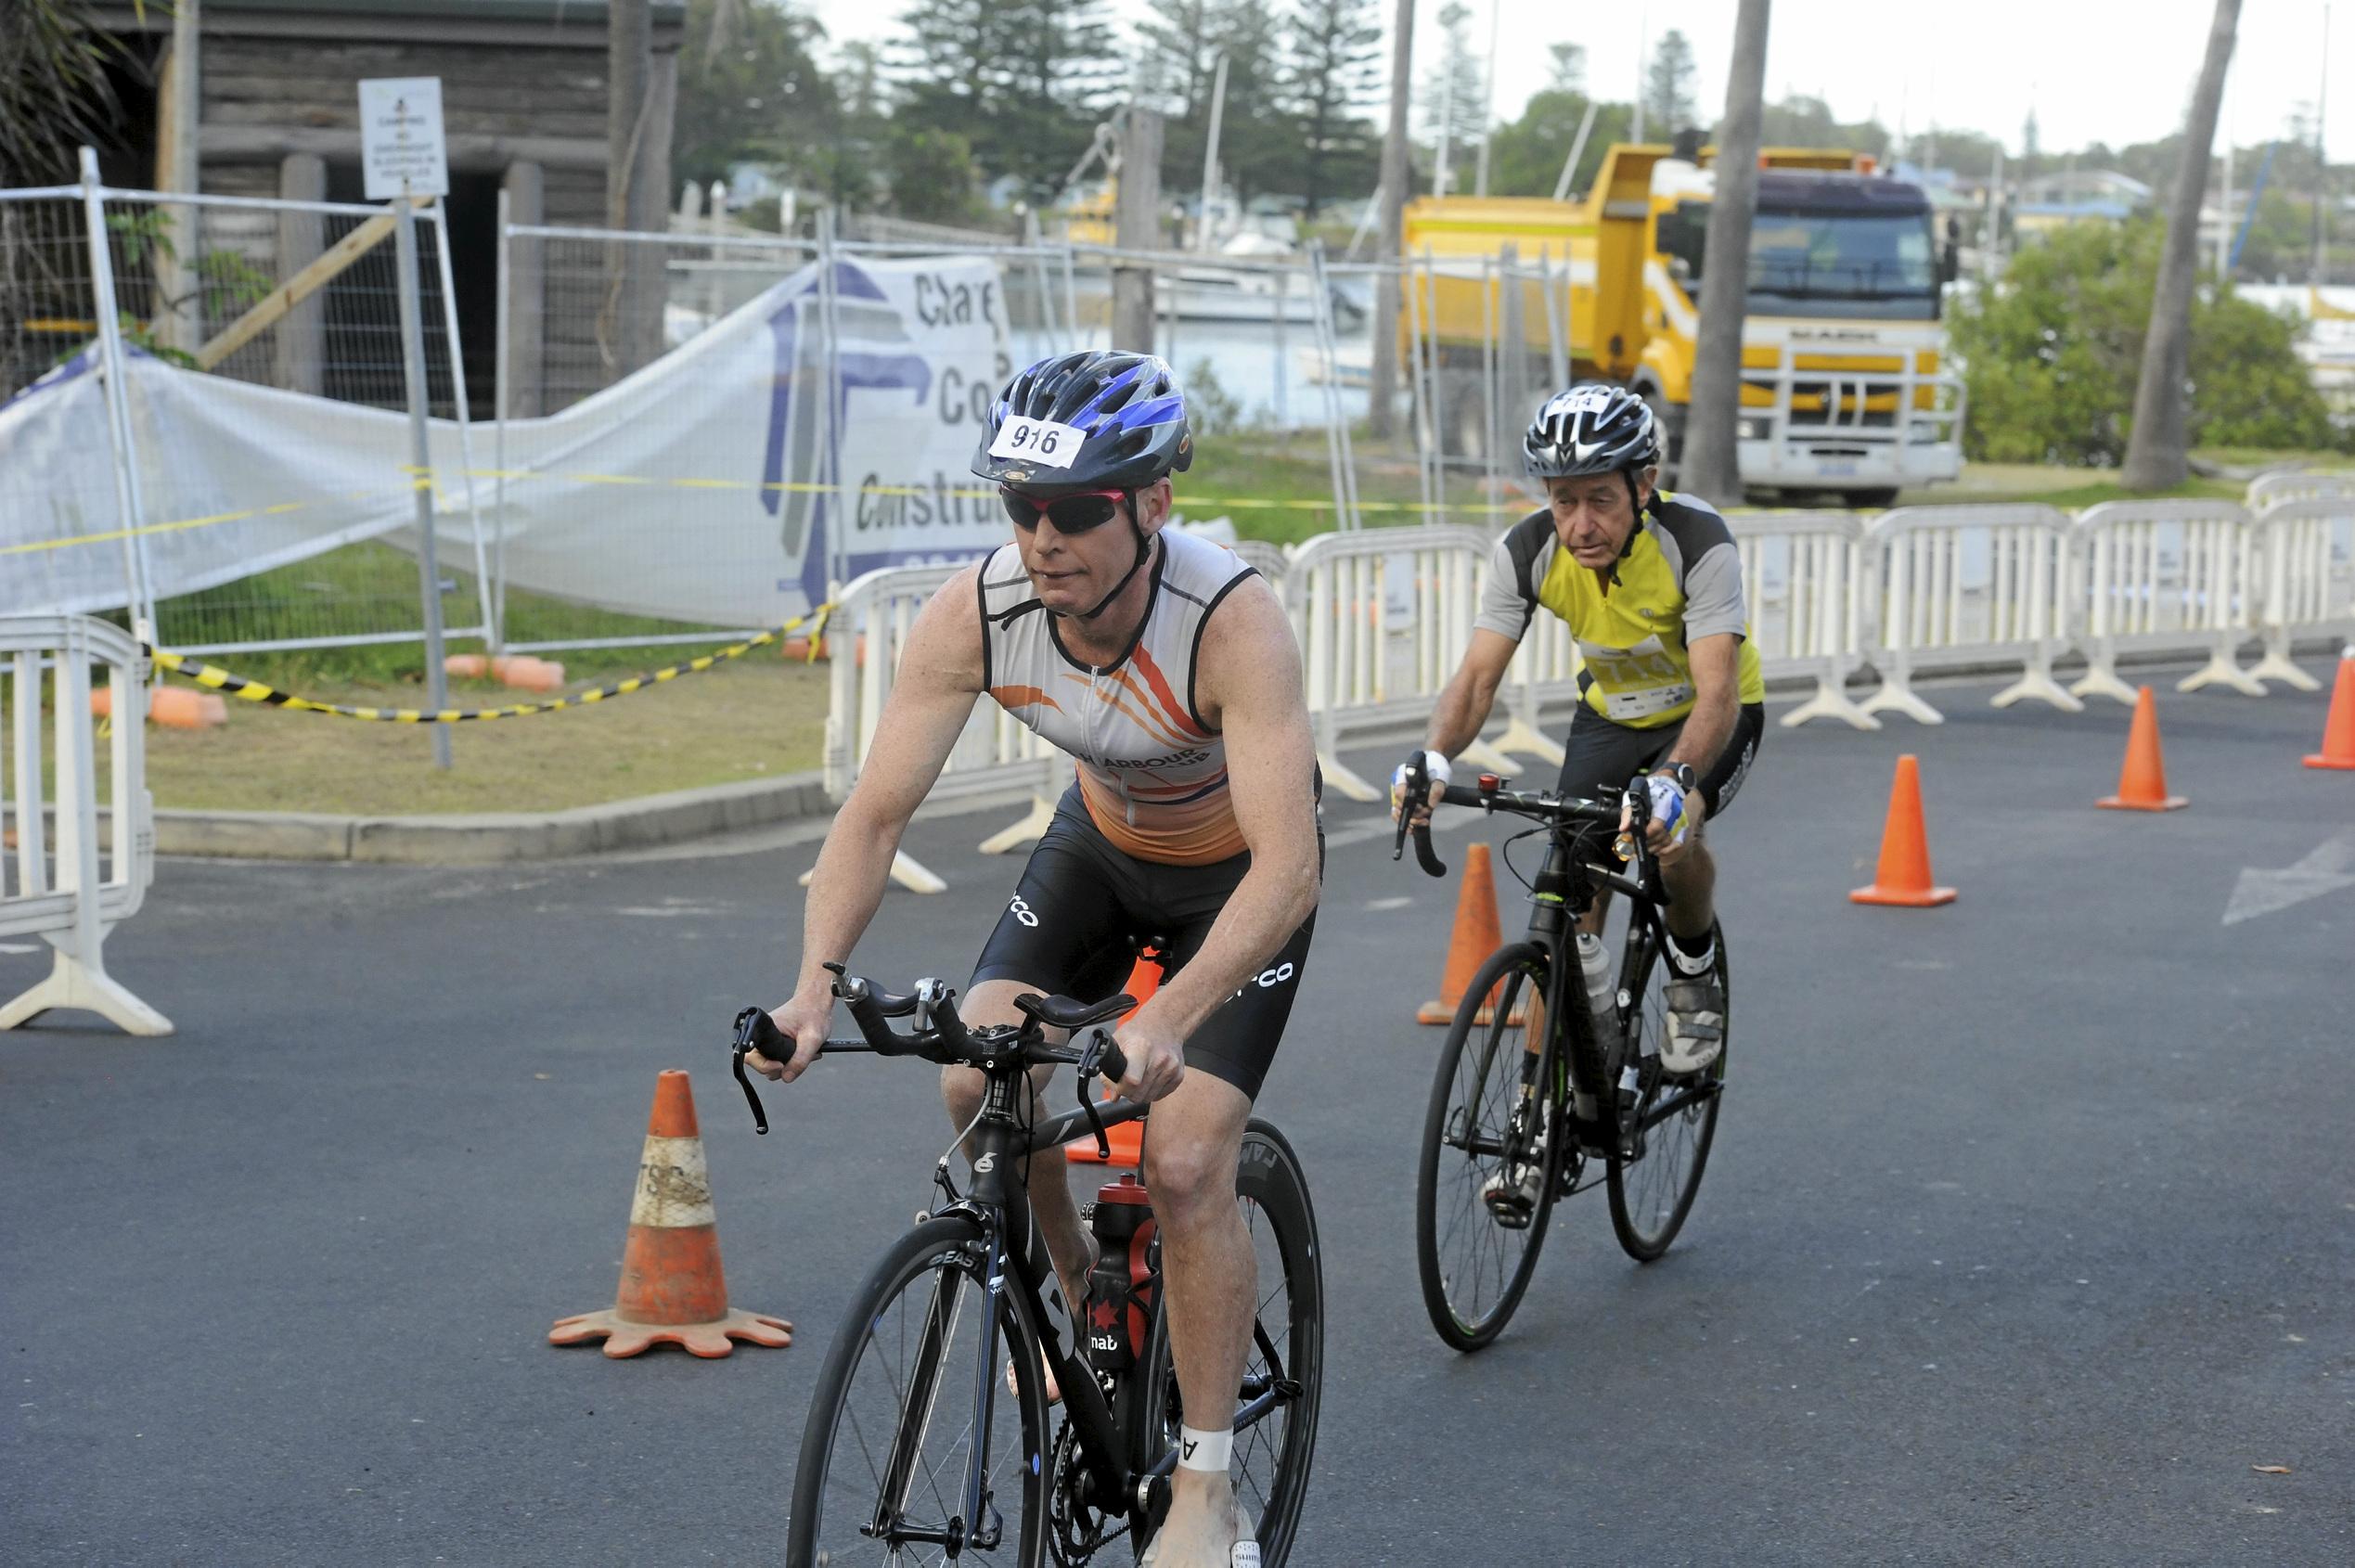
[53,92]
[2159,453]
[1710,466]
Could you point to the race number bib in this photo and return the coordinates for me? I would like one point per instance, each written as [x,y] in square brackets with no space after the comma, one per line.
[1637,681]
[1042,442]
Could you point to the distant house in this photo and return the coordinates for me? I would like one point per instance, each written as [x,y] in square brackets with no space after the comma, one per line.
[524,91]
[2100,196]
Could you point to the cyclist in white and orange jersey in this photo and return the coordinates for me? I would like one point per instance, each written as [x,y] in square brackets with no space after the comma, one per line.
[1167,668]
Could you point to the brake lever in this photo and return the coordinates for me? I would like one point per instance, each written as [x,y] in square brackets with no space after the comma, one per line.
[1413,793]
[748,1028]
[1090,1066]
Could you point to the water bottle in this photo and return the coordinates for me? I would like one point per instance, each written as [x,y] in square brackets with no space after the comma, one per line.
[1603,998]
[1119,1288]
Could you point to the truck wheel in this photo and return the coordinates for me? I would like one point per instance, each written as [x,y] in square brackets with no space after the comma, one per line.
[1873,500]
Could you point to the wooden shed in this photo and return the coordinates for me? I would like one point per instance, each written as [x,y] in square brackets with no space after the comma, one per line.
[525,95]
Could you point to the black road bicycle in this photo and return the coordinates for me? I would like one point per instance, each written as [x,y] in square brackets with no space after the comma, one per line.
[922,1447]
[1527,1078]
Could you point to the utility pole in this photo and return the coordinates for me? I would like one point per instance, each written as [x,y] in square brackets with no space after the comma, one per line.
[1487,105]
[1392,194]
[1137,227]
[2322,159]
[1711,466]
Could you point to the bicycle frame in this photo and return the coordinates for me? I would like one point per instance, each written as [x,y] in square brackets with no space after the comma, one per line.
[999,1206]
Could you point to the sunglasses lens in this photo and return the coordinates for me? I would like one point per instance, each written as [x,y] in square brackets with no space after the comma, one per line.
[1018,508]
[1077,514]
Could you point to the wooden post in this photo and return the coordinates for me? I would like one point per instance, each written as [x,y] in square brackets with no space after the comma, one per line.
[1137,227]
[1387,228]
[526,368]
[301,337]
[179,320]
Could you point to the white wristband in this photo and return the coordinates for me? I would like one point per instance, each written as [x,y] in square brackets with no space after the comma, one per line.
[1435,767]
[1204,1450]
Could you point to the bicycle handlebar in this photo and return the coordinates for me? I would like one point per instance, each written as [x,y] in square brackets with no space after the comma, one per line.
[1490,795]
[940,1035]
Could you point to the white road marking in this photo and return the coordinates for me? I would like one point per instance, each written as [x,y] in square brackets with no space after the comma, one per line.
[19,947]
[2327,869]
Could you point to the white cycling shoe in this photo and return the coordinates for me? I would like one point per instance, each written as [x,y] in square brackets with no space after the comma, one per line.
[1244,1553]
[1696,1025]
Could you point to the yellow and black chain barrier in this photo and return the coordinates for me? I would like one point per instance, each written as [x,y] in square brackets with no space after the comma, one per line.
[254,691]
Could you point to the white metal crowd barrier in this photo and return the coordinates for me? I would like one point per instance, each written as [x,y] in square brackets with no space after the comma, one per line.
[868,634]
[2298,484]
[2308,551]
[1807,581]
[1382,617]
[70,904]
[1965,585]
[2163,577]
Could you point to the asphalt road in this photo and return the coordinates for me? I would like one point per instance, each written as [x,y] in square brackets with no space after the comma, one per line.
[2029,1233]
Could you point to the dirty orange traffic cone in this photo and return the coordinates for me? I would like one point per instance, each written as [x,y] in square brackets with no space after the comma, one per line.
[671,1291]
[2142,783]
[1126,1140]
[467,666]
[1903,877]
[174,707]
[2338,730]
[1476,935]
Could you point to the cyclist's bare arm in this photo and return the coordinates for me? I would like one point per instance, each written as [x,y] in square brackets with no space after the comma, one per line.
[1463,707]
[1717,700]
[1247,685]
[933,695]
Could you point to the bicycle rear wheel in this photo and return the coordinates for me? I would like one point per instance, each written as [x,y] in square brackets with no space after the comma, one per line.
[891,1443]
[1676,1120]
[1474,1269]
[1285,1367]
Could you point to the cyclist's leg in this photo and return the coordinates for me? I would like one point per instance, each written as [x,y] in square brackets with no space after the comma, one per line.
[1064,933]
[1599,754]
[1693,881]
[1210,1277]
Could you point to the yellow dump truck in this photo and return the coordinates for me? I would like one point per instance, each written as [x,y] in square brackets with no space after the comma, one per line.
[1848,385]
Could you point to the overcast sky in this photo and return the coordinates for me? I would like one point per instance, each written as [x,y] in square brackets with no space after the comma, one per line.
[2111,70]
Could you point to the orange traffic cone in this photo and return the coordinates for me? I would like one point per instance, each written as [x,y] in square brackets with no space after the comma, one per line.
[1903,877]
[467,666]
[1476,935]
[671,1291]
[174,707]
[2142,783]
[1128,1140]
[2338,730]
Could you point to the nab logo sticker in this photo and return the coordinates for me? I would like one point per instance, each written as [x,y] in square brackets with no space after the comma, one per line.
[1023,911]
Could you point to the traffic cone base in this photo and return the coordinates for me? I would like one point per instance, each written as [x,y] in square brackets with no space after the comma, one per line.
[671,1290]
[1477,933]
[2141,782]
[2338,730]
[1902,880]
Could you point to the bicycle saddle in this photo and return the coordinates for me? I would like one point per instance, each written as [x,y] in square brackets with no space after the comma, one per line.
[1069,1012]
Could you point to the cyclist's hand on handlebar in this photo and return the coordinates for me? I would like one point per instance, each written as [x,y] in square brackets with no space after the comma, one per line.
[1435,768]
[1675,818]
[803,1021]
[1157,1057]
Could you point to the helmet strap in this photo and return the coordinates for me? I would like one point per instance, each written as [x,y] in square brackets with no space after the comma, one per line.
[1144,552]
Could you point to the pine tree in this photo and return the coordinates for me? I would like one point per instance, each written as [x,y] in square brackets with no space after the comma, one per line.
[1333,67]
[1022,81]
[1568,73]
[1668,103]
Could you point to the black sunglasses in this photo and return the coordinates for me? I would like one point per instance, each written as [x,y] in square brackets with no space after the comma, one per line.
[1075,512]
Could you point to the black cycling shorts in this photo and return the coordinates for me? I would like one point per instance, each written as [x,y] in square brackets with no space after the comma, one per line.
[1082,907]
[1600,753]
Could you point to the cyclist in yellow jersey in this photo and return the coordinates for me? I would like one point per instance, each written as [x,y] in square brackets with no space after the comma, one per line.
[1651,585]
[1166,667]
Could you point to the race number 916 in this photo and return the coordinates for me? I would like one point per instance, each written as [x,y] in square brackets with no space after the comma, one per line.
[1042,442]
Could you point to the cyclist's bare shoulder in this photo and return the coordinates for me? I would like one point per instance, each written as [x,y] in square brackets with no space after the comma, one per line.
[1248,658]
[944,653]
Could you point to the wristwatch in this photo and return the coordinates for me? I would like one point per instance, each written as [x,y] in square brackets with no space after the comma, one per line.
[1682,773]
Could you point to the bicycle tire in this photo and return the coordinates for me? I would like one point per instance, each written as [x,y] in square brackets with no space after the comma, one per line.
[1269,1180]
[1648,1210]
[831,1498]
[1450,1205]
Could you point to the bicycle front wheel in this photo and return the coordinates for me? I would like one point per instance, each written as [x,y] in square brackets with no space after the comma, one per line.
[1284,1370]
[1676,1120]
[1481,1130]
[916,1452]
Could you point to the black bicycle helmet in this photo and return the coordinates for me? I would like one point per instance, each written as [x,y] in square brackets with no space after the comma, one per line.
[1129,407]
[1593,428]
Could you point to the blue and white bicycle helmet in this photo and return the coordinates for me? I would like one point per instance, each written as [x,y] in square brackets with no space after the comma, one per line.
[1129,406]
